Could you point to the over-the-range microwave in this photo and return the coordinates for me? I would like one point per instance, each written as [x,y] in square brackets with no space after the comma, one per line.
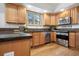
[65,20]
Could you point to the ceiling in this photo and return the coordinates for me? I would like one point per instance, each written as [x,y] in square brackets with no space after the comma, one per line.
[46,6]
[53,7]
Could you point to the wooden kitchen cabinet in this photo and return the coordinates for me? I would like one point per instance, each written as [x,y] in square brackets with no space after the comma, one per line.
[53,36]
[38,39]
[68,12]
[15,13]
[19,47]
[65,13]
[21,14]
[74,15]
[57,18]
[42,38]
[35,39]
[72,39]
[11,13]
[77,40]
[47,19]
[53,19]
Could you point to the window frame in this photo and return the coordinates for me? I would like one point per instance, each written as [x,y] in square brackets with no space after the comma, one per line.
[40,15]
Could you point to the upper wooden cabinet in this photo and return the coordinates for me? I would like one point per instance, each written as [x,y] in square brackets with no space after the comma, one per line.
[21,14]
[74,15]
[57,18]
[15,13]
[11,13]
[47,19]
[65,13]
[53,19]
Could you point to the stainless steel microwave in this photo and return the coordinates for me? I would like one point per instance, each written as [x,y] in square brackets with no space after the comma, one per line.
[65,20]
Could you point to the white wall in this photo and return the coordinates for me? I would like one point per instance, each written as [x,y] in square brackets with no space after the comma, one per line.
[75,26]
[3,24]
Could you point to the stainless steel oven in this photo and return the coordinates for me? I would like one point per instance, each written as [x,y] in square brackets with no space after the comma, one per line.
[63,38]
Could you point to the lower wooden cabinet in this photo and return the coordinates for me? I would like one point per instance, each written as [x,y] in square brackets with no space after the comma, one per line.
[18,47]
[35,39]
[53,36]
[42,38]
[72,39]
[38,39]
[77,40]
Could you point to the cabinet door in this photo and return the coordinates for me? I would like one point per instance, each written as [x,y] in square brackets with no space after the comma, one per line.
[11,13]
[72,39]
[35,39]
[42,38]
[47,19]
[67,13]
[74,15]
[53,36]
[77,14]
[62,14]
[57,18]
[53,20]
[21,14]
[77,39]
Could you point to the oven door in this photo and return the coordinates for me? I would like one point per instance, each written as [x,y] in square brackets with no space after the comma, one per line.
[62,39]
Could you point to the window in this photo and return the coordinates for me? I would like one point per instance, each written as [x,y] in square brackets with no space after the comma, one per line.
[34,18]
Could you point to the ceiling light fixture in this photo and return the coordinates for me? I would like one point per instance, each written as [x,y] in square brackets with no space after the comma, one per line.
[29,6]
[45,10]
[61,9]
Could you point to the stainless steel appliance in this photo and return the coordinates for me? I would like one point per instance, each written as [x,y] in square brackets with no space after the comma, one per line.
[47,37]
[63,38]
[65,20]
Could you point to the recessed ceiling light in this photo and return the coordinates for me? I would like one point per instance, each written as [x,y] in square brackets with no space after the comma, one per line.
[29,6]
[61,9]
[45,10]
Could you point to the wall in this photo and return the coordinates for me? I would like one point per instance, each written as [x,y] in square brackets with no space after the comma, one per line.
[3,24]
[75,26]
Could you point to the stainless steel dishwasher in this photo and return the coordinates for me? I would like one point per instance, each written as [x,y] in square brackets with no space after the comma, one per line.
[47,37]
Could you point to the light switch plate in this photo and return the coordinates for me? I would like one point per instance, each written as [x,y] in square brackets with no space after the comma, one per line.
[9,53]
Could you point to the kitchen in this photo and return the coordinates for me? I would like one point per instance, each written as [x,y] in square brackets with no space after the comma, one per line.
[28,29]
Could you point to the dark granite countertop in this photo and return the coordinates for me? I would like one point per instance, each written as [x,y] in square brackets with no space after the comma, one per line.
[54,30]
[13,36]
[67,30]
